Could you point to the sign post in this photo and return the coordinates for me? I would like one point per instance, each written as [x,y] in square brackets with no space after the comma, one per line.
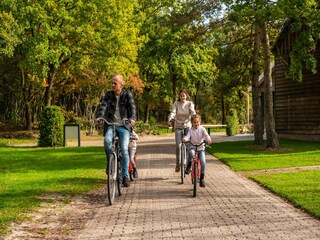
[72,131]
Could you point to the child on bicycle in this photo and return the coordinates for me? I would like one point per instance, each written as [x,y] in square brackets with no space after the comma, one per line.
[132,152]
[196,135]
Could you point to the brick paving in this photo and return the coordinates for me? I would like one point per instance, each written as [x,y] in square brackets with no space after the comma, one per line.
[158,206]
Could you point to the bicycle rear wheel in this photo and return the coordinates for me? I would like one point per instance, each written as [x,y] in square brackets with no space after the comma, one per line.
[131,171]
[112,176]
[119,177]
[195,180]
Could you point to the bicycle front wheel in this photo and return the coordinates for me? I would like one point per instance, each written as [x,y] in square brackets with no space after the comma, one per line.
[182,161]
[119,177]
[112,176]
[195,180]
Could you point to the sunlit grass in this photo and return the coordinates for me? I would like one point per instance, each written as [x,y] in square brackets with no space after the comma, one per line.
[244,156]
[301,188]
[26,174]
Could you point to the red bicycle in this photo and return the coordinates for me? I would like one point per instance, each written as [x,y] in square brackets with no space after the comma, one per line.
[196,167]
[133,174]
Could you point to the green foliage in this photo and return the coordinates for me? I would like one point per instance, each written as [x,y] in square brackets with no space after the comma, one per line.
[232,122]
[141,127]
[51,127]
[302,55]
[9,33]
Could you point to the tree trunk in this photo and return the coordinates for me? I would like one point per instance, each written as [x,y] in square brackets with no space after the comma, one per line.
[256,106]
[196,97]
[174,86]
[27,99]
[146,113]
[223,110]
[47,95]
[272,137]
[28,116]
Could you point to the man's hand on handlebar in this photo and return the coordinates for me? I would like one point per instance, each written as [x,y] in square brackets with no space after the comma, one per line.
[132,122]
[98,120]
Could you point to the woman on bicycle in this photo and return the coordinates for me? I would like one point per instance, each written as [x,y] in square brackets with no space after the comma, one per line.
[197,135]
[181,113]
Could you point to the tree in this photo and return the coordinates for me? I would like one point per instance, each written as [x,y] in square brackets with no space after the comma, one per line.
[55,43]
[260,14]
[177,54]
[256,106]
[272,138]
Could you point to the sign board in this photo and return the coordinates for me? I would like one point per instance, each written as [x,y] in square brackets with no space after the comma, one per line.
[71,131]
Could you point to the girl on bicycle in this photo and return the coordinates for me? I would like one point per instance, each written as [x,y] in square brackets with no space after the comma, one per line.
[197,135]
[181,113]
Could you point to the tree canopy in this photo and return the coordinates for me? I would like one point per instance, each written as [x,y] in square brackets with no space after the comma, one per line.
[65,53]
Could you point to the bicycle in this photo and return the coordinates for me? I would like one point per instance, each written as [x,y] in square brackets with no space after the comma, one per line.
[195,167]
[182,153]
[130,169]
[183,160]
[114,167]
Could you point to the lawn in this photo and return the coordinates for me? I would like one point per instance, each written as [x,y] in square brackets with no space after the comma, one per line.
[27,174]
[244,156]
[301,188]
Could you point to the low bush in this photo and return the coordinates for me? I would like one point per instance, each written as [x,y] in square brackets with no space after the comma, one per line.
[51,127]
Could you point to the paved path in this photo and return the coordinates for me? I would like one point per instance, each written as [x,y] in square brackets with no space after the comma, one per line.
[158,206]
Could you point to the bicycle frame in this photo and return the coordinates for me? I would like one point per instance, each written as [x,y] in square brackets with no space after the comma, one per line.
[196,161]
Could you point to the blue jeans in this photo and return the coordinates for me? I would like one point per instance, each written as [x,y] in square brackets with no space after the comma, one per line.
[124,137]
[202,157]
[179,134]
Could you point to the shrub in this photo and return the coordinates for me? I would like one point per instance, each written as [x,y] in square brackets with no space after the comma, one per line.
[232,122]
[51,127]
[141,127]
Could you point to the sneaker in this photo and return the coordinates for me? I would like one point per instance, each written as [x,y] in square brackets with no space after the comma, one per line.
[126,182]
[202,183]
[178,167]
[135,172]
[188,169]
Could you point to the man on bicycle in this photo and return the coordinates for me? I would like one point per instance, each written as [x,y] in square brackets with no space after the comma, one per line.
[116,105]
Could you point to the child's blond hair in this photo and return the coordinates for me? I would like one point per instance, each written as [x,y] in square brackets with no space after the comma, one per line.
[196,116]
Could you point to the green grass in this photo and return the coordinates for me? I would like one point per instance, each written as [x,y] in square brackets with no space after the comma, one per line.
[11,141]
[26,174]
[244,156]
[301,188]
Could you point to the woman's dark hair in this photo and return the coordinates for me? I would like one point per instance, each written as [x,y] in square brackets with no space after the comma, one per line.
[182,91]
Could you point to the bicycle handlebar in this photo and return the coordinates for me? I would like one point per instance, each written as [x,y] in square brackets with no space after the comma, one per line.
[198,145]
[125,120]
[185,121]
